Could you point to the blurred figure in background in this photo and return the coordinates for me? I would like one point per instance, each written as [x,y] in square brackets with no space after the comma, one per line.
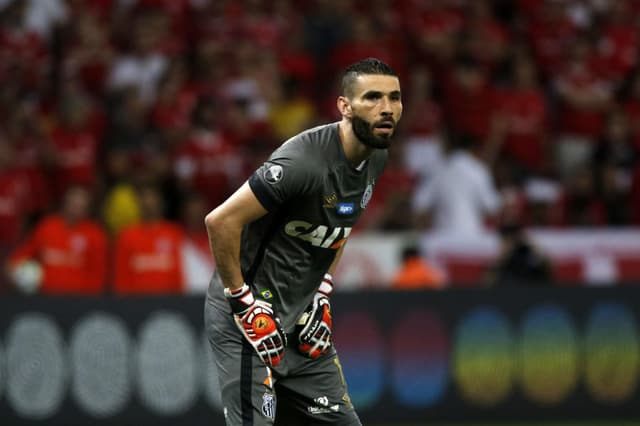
[197,261]
[74,145]
[614,161]
[147,254]
[519,262]
[207,161]
[69,247]
[416,272]
[461,196]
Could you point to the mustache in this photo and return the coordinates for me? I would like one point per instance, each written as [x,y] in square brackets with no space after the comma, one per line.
[385,120]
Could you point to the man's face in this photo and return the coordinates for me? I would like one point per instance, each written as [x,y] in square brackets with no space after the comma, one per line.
[376,108]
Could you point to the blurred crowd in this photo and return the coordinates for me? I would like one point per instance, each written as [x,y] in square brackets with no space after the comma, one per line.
[523,112]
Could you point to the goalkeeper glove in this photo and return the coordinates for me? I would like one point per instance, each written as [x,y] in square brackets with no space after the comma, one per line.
[258,324]
[315,323]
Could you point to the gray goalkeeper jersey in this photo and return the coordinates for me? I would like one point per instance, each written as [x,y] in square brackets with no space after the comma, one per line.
[314,197]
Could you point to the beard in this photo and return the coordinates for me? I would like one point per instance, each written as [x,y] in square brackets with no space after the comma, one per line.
[364,132]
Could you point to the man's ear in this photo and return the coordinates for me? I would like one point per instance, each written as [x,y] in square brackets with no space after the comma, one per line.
[344,106]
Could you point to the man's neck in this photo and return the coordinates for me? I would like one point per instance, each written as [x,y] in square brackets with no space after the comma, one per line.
[355,151]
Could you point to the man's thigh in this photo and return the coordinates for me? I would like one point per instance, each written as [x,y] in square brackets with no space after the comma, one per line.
[301,391]
[246,384]
[314,392]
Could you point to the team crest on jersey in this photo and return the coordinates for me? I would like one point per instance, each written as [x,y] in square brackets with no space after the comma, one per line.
[366,197]
[268,406]
[273,174]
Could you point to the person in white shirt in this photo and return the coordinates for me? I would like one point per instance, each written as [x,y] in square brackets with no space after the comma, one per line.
[461,194]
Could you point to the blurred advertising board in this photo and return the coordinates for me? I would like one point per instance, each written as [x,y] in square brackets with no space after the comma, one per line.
[417,357]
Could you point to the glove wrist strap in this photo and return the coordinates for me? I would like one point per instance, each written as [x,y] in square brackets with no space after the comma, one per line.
[326,286]
[240,298]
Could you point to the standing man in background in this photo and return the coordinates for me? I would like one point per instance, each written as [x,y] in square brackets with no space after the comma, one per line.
[147,254]
[70,248]
[277,241]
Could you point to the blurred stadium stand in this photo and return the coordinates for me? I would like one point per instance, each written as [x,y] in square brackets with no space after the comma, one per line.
[190,95]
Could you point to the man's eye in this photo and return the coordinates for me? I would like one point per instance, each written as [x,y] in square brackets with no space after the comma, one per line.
[372,96]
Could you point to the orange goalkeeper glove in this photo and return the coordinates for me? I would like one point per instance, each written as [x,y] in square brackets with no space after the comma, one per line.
[315,323]
[258,324]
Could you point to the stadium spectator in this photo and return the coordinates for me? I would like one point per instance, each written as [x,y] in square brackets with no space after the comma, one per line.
[120,206]
[468,98]
[90,52]
[550,31]
[585,97]
[615,159]
[147,254]
[207,161]
[74,144]
[13,204]
[391,201]
[519,262]
[32,153]
[520,126]
[415,272]
[171,113]
[25,59]
[461,196]
[70,247]
[142,67]
[581,205]
[422,126]
[618,43]
[196,253]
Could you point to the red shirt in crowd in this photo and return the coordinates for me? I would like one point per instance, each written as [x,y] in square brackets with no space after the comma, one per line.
[209,162]
[73,256]
[13,206]
[526,116]
[147,259]
[27,161]
[578,120]
[550,38]
[76,152]
[618,50]
[468,110]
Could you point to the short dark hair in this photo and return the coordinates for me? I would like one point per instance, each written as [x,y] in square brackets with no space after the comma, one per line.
[363,67]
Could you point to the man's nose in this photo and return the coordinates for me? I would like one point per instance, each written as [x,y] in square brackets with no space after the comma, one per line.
[385,108]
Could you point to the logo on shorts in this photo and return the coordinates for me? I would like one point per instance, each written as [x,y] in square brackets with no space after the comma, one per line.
[273,174]
[323,406]
[268,406]
[322,400]
[266,294]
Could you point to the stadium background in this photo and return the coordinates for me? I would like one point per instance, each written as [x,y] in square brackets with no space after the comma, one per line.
[190,95]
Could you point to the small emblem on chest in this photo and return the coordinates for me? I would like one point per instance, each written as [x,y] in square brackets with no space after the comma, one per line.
[366,197]
[330,201]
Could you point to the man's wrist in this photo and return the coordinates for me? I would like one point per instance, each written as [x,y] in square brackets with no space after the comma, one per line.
[235,291]
[240,299]
[326,286]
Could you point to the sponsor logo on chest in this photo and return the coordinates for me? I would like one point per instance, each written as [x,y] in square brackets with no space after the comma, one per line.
[318,235]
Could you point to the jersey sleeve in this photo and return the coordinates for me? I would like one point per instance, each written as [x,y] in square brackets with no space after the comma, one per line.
[287,174]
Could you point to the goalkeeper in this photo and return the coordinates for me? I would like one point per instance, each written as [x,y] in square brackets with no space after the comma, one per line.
[277,241]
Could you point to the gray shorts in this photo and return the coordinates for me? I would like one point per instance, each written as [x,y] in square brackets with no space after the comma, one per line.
[299,391]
